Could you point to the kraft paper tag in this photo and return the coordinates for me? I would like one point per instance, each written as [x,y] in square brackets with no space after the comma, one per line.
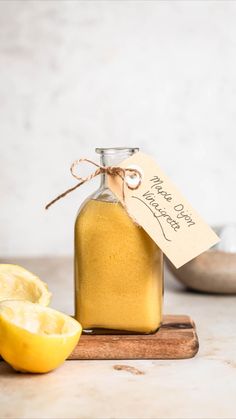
[163,212]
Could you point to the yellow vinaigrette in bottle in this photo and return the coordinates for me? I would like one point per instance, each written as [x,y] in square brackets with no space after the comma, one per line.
[118,267]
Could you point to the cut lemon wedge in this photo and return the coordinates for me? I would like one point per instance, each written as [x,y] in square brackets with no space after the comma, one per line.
[16,283]
[34,338]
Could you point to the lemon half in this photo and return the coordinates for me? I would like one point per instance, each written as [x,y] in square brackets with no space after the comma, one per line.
[34,338]
[20,284]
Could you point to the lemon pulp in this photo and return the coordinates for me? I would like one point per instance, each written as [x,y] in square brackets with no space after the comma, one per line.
[34,338]
[18,283]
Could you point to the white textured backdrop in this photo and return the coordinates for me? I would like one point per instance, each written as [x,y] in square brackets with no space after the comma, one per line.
[74,75]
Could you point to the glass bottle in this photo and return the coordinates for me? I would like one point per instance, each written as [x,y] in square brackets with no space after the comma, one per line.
[118,268]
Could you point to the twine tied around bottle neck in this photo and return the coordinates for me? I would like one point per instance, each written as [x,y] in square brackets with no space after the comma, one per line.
[122,172]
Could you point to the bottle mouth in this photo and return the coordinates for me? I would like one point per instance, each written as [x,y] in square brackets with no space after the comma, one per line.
[115,150]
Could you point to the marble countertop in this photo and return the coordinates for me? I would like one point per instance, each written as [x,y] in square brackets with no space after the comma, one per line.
[202,387]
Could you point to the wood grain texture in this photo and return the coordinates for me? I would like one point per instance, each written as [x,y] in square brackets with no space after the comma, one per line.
[176,339]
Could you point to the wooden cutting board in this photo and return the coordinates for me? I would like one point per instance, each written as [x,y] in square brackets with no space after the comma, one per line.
[176,339]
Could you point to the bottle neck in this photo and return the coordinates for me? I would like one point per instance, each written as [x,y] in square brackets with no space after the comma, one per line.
[104,181]
[113,157]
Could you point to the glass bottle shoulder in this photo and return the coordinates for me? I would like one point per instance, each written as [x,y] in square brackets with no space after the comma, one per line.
[103,194]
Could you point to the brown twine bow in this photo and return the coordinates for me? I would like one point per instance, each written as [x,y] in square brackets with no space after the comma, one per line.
[110,170]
